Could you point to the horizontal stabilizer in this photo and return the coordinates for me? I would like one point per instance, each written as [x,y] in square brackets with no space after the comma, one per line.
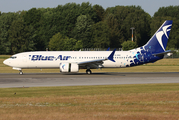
[163,53]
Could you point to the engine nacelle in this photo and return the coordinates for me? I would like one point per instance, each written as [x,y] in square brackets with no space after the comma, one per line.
[69,67]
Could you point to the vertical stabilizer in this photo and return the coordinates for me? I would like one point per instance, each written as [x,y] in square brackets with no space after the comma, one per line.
[158,42]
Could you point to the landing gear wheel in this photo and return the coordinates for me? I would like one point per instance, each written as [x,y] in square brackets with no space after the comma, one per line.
[20,73]
[88,72]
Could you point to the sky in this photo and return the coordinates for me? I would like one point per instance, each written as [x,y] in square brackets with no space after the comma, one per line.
[149,6]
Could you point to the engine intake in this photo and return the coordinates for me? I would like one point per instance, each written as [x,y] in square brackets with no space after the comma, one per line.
[69,67]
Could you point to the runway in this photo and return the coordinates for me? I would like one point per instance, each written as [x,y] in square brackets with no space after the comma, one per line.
[80,79]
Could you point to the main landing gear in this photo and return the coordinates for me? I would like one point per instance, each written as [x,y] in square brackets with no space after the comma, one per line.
[88,71]
[20,72]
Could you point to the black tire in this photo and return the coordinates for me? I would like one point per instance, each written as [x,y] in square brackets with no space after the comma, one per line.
[88,72]
[20,73]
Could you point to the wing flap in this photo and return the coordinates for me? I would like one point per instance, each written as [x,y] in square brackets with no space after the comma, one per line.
[92,61]
[98,62]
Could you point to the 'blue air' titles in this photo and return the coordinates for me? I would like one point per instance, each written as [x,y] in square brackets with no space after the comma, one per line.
[48,58]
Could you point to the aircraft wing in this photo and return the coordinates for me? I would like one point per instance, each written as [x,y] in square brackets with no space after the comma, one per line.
[97,63]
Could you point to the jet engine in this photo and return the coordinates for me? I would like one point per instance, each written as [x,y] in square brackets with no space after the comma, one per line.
[69,67]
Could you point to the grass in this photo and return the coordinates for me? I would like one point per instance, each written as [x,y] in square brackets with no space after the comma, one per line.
[112,102]
[4,56]
[148,101]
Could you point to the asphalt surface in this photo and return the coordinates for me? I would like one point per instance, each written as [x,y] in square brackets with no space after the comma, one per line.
[80,79]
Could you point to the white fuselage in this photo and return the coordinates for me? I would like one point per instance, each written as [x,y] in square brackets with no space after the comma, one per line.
[52,59]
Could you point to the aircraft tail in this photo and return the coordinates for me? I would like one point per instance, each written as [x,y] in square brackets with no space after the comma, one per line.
[158,42]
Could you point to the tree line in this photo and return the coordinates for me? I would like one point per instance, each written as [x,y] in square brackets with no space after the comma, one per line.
[74,26]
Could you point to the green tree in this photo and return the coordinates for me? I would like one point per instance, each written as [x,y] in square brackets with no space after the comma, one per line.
[60,42]
[48,27]
[101,35]
[79,45]
[128,45]
[116,37]
[65,17]
[141,22]
[132,16]
[70,44]
[6,20]
[83,30]
[57,42]
[87,9]
[168,13]
[99,13]
[32,17]
[20,37]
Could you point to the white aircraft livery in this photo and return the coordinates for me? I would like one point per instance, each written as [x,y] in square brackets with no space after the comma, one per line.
[72,61]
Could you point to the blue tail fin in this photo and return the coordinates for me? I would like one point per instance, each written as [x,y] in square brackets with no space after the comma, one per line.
[158,42]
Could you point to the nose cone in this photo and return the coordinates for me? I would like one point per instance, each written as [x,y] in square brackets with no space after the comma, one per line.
[6,62]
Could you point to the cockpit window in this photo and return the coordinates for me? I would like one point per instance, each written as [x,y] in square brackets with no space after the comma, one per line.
[13,57]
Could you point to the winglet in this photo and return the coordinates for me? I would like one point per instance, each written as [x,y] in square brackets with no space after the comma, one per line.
[111,56]
[108,49]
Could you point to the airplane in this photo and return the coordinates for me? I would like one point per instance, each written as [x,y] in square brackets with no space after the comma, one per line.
[72,61]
